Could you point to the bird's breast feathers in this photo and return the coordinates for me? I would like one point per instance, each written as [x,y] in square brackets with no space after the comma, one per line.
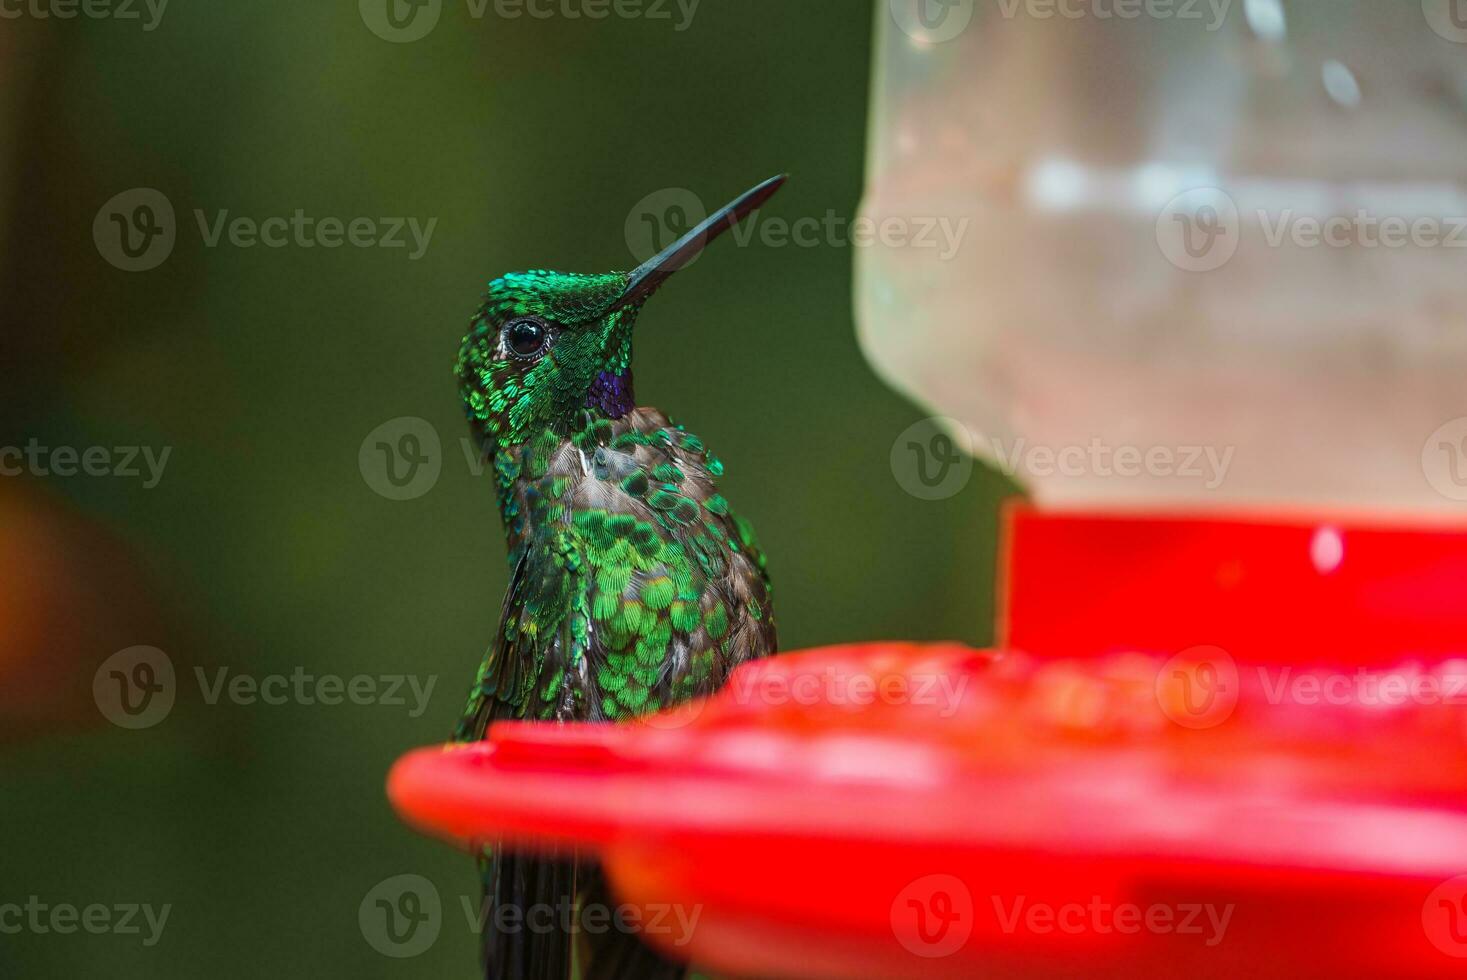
[639,585]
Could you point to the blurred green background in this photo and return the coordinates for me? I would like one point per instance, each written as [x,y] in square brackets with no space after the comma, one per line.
[263,549]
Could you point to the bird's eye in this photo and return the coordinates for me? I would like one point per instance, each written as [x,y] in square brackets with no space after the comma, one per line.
[526,338]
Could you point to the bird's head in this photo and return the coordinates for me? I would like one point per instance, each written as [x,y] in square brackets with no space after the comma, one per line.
[546,345]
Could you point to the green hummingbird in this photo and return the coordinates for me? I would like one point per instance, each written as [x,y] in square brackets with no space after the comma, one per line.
[633,584]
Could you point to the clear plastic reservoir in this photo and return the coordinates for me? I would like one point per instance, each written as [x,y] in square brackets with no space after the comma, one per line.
[1178,252]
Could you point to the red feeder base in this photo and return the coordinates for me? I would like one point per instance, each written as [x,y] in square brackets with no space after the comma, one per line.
[1128,796]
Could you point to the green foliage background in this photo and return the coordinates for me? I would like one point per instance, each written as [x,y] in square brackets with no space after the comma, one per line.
[529,140]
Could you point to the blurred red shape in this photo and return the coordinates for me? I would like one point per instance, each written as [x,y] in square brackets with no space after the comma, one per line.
[1293,588]
[898,809]
[1037,815]
[71,594]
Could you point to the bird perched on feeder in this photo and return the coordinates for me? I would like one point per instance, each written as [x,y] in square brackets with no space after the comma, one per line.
[633,584]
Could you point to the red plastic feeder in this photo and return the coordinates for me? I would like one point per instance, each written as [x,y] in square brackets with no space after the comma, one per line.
[1217,748]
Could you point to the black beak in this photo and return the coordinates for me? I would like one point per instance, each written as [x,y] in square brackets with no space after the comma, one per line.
[656,270]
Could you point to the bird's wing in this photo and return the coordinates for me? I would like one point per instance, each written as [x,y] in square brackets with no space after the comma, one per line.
[728,553]
[542,632]
[754,632]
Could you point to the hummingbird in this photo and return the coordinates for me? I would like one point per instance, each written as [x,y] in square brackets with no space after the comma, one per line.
[633,585]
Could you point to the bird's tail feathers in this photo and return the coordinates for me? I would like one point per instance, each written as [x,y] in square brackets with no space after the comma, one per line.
[532,911]
[529,912]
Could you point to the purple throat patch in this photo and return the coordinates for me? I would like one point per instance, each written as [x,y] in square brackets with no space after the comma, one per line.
[611,394]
